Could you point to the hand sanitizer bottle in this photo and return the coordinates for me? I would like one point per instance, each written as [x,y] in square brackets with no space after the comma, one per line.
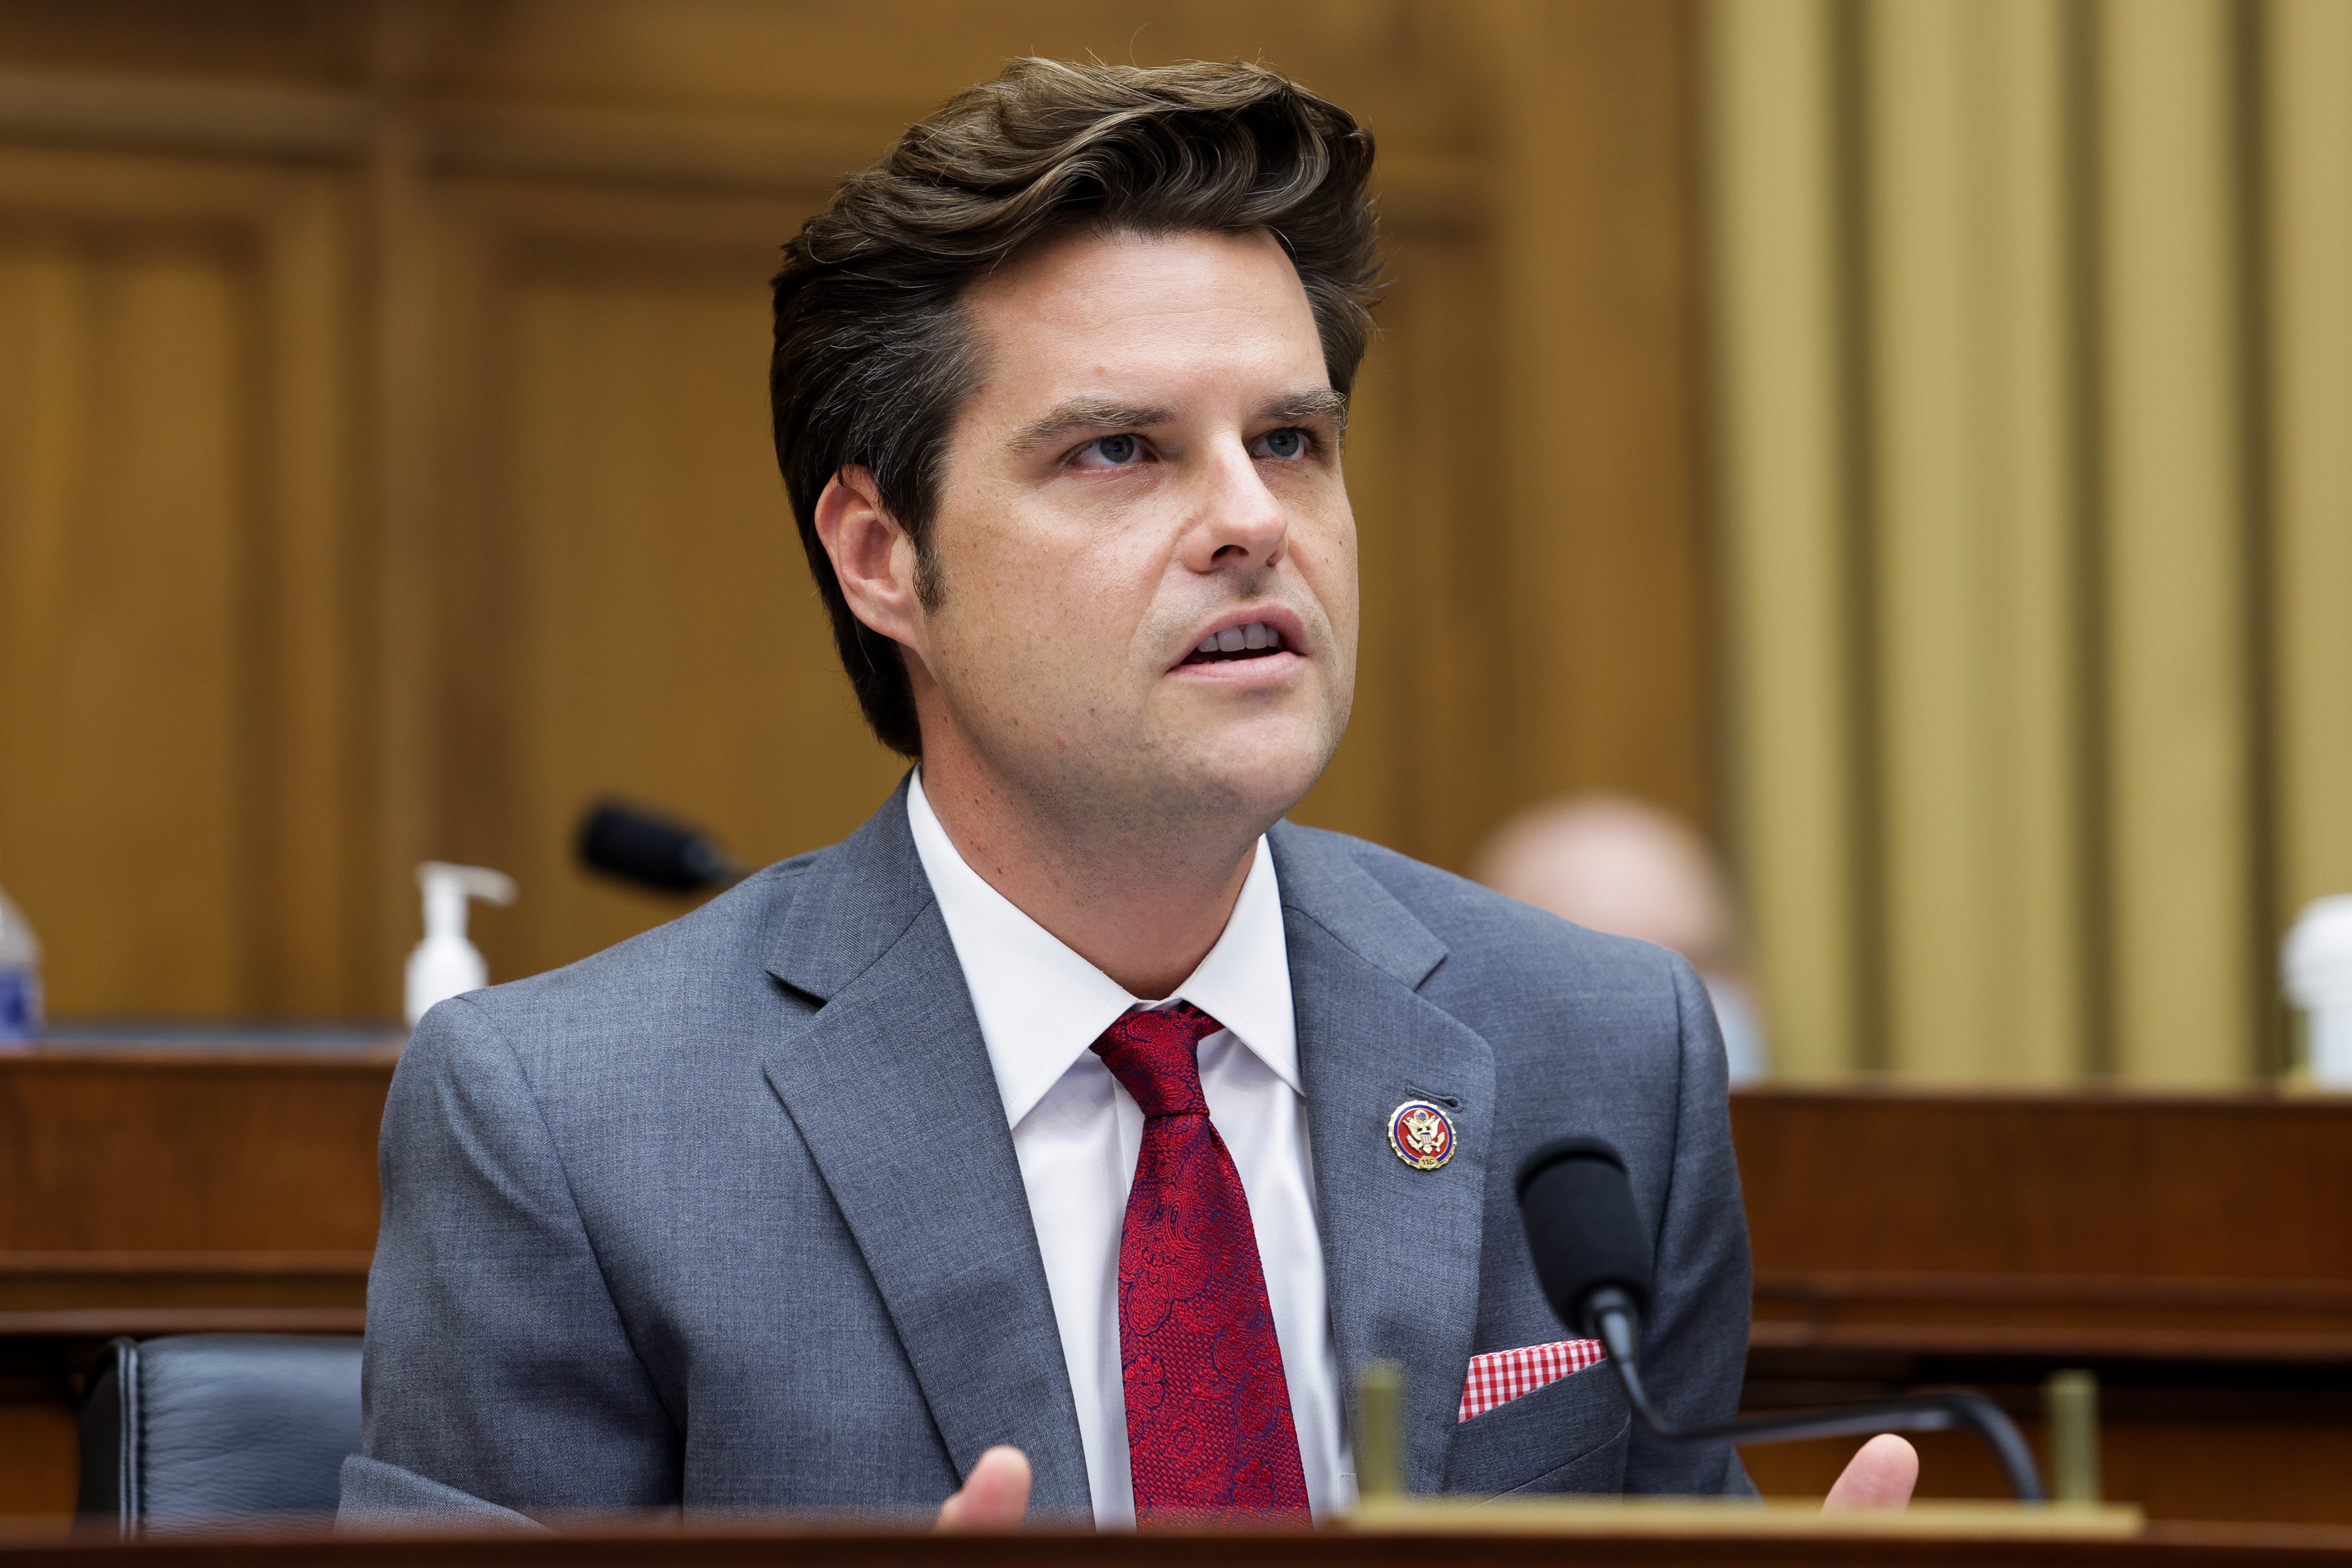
[446,965]
[20,977]
[2316,966]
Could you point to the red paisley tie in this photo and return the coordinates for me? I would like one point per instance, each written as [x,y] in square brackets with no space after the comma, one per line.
[1209,1433]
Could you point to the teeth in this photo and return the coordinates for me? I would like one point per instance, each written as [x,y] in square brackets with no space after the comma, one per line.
[1233,639]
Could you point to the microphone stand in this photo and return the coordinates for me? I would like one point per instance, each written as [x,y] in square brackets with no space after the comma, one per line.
[1612,1311]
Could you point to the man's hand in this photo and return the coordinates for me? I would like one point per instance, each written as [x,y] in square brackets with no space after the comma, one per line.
[996,1494]
[1880,1476]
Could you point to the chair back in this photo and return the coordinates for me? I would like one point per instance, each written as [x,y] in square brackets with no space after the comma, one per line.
[208,1428]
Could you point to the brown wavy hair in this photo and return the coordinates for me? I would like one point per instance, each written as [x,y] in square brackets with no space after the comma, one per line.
[873,357]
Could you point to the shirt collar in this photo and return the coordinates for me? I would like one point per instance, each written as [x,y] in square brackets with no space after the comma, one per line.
[1041,1007]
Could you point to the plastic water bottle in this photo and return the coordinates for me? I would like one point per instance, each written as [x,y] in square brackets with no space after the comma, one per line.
[20,977]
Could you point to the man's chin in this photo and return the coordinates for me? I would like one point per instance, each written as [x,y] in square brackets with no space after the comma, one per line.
[1258,769]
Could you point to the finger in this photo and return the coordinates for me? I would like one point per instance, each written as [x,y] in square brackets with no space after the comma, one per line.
[994,1496]
[1880,1476]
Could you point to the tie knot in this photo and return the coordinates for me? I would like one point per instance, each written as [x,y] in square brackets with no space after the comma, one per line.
[1156,1056]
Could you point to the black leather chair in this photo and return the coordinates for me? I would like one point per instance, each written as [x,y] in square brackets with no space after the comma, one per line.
[205,1429]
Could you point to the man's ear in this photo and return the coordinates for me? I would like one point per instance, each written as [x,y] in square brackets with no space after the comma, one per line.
[872,556]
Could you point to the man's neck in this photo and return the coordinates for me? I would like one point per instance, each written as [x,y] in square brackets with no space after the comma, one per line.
[1144,905]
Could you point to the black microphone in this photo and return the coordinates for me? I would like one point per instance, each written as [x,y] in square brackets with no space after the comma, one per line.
[1592,1259]
[653,851]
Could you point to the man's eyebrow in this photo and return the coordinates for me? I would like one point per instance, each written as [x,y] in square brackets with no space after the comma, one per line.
[1084,415]
[1316,403]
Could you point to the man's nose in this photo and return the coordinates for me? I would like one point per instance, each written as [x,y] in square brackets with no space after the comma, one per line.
[1239,522]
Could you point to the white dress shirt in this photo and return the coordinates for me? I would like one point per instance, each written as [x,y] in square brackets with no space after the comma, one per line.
[1077,1134]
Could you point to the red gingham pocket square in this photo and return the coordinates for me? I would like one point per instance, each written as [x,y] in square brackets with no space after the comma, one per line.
[1501,1377]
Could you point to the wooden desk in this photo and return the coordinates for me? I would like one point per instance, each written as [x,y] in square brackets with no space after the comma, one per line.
[171,1190]
[2196,1252]
[2096,1224]
[174,1191]
[756,1544]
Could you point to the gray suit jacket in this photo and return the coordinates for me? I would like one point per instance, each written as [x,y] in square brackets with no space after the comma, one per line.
[729,1215]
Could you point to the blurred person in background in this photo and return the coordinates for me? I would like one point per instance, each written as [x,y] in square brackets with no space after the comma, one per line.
[1614,864]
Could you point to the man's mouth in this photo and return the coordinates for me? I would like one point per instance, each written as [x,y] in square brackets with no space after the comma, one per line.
[1255,641]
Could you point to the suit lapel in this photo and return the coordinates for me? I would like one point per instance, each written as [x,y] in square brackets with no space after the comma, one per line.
[889,1085]
[1401,1246]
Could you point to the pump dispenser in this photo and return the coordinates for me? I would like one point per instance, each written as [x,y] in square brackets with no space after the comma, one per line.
[446,965]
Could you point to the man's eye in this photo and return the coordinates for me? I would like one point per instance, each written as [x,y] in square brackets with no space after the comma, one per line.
[1290,442]
[1110,452]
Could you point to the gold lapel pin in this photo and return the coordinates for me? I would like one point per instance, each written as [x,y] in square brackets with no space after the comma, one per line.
[1422,1134]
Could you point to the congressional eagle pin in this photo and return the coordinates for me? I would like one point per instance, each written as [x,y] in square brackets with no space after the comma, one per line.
[1422,1134]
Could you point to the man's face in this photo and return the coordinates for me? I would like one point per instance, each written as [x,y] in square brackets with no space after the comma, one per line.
[1150,467]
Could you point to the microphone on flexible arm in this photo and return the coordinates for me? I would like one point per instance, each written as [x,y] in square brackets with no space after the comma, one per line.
[1593,1259]
[653,851]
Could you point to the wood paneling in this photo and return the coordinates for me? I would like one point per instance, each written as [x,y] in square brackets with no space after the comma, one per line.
[1427,699]
[1606,599]
[393,473]
[189,1153]
[43,1475]
[2245,1189]
[127,563]
[630,610]
[172,610]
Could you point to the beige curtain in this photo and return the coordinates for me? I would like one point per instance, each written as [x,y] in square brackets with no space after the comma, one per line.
[2031,339]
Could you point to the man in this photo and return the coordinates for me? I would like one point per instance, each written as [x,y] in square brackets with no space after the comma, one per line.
[1069,1136]
[1616,864]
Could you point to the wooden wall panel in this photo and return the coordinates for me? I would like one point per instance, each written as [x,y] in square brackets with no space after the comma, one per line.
[189,1153]
[128,558]
[642,619]
[1408,66]
[1606,592]
[171,664]
[44,1472]
[242,40]
[1432,687]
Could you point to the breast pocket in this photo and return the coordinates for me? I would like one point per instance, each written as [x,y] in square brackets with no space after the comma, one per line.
[1567,1436]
